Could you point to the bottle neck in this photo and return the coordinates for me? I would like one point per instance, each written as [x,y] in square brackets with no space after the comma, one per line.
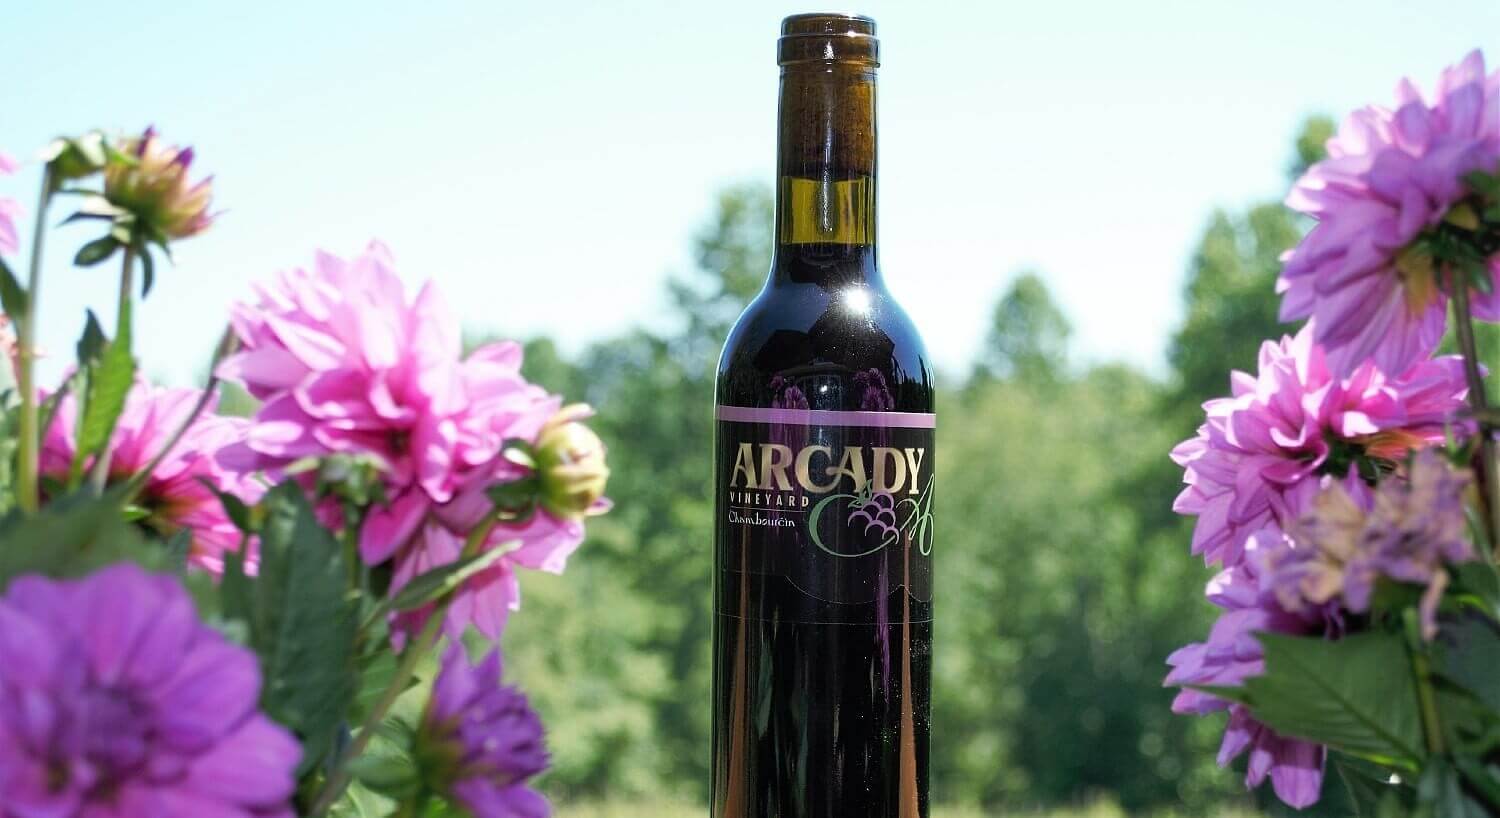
[825,192]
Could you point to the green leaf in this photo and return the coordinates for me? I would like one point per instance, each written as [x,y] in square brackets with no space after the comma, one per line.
[13,297]
[302,624]
[1468,655]
[1367,785]
[1484,183]
[1441,789]
[96,251]
[1480,779]
[71,536]
[178,547]
[374,678]
[1229,694]
[359,802]
[148,271]
[109,383]
[236,595]
[1479,579]
[92,342]
[1354,694]
[235,508]
[394,776]
[439,582]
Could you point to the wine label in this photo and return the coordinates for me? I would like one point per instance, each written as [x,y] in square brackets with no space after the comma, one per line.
[824,515]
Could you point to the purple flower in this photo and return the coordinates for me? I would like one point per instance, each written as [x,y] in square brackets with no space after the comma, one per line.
[1254,462]
[1233,654]
[480,742]
[10,210]
[1407,530]
[116,702]
[1390,176]
[175,496]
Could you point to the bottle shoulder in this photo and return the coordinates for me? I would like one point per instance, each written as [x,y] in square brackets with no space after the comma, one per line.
[849,347]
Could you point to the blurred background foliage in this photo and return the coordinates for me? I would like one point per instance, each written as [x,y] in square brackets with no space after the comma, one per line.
[1065,578]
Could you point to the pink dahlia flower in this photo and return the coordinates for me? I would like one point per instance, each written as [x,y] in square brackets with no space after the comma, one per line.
[1256,460]
[1390,176]
[480,742]
[116,702]
[1233,654]
[10,210]
[422,533]
[346,364]
[175,496]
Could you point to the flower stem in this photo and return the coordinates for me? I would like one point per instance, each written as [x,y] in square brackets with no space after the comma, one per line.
[210,390]
[26,448]
[138,480]
[100,475]
[1432,726]
[338,781]
[1463,320]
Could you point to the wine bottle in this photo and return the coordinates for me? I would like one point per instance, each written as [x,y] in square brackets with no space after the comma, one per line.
[823,481]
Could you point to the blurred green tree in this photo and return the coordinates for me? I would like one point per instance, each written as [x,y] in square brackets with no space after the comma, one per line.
[1028,337]
[1064,576]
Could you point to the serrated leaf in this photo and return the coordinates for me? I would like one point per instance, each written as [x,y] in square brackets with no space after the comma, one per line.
[13,297]
[302,625]
[1354,694]
[96,251]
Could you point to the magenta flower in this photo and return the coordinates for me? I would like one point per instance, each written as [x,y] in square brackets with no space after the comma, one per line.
[1250,464]
[116,702]
[10,210]
[347,365]
[175,496]
[1390,176]
[480,742]
[1233,654]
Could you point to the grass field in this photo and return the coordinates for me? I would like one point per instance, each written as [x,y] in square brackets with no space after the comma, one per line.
[649,810]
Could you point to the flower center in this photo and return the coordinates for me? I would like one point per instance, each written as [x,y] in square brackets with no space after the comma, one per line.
[1371,455]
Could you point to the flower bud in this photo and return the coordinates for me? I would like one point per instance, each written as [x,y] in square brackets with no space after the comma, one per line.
[570,465]
[150,179]
[74,158]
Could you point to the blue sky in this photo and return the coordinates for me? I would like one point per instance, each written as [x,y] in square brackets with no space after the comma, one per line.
[547,163]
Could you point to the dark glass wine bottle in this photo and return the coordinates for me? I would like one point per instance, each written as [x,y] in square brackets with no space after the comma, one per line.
[823,481]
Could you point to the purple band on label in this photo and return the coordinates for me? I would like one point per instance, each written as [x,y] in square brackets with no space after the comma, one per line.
[821,417]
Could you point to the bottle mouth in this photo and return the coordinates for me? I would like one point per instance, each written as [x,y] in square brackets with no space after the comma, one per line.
[828,38]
